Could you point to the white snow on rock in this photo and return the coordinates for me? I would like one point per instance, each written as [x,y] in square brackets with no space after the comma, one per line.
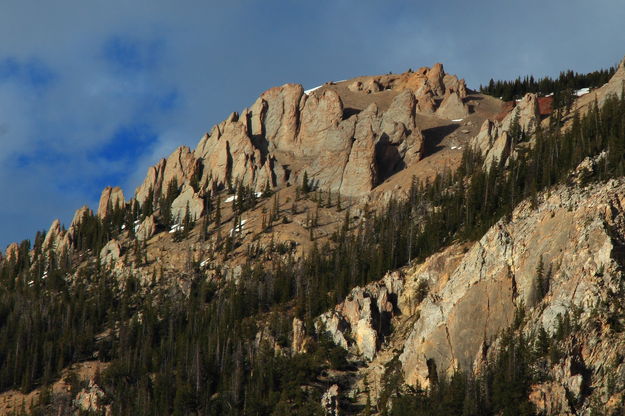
[582,91]
[176,227]
[231,198]
[307,92]
[457,120]
[238,228]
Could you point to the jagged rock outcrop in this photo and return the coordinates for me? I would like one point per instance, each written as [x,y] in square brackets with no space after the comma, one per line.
[527,112]
[330,401]
[452,107]
[79,215]
[90,400]
[110,199]
[52,236]
[360,323]
[187,200]
[286,132]
[110,253]
[300,341]
[572,233]
[435,77]
[361,170]
[426,104]
[146,229]
[368,86]
[12,253]
[494,140]
[181,166]
[152,183]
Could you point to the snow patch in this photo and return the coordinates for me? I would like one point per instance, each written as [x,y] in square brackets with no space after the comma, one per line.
[238,228]
[307,92]
[582,91]
[204,263]
[176,227]
[231,198]
[457,120]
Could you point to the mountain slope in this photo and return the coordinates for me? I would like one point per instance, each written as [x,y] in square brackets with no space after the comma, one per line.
[243,276]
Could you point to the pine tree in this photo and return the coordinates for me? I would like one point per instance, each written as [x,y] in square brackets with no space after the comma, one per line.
[305,184]
[267,190]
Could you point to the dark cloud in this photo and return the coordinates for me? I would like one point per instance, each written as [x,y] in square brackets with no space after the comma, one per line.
[92,93]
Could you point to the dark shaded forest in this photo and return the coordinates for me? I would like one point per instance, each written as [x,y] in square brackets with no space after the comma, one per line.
[567,82]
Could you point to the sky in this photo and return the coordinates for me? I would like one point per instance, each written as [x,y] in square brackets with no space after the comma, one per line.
[94,92]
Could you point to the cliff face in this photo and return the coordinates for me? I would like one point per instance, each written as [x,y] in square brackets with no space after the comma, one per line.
[575,236]
[346,137]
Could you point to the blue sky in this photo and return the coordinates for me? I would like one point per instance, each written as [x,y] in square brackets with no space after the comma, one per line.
[92,93]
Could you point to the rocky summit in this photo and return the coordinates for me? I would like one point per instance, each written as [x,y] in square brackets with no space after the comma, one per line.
[385,245]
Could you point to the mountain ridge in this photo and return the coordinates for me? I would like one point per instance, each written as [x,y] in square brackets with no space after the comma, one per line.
[304,201]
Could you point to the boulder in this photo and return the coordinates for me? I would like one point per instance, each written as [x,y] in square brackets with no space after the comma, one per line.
[452,107]
[371,85]
[355,86]
[453,84]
